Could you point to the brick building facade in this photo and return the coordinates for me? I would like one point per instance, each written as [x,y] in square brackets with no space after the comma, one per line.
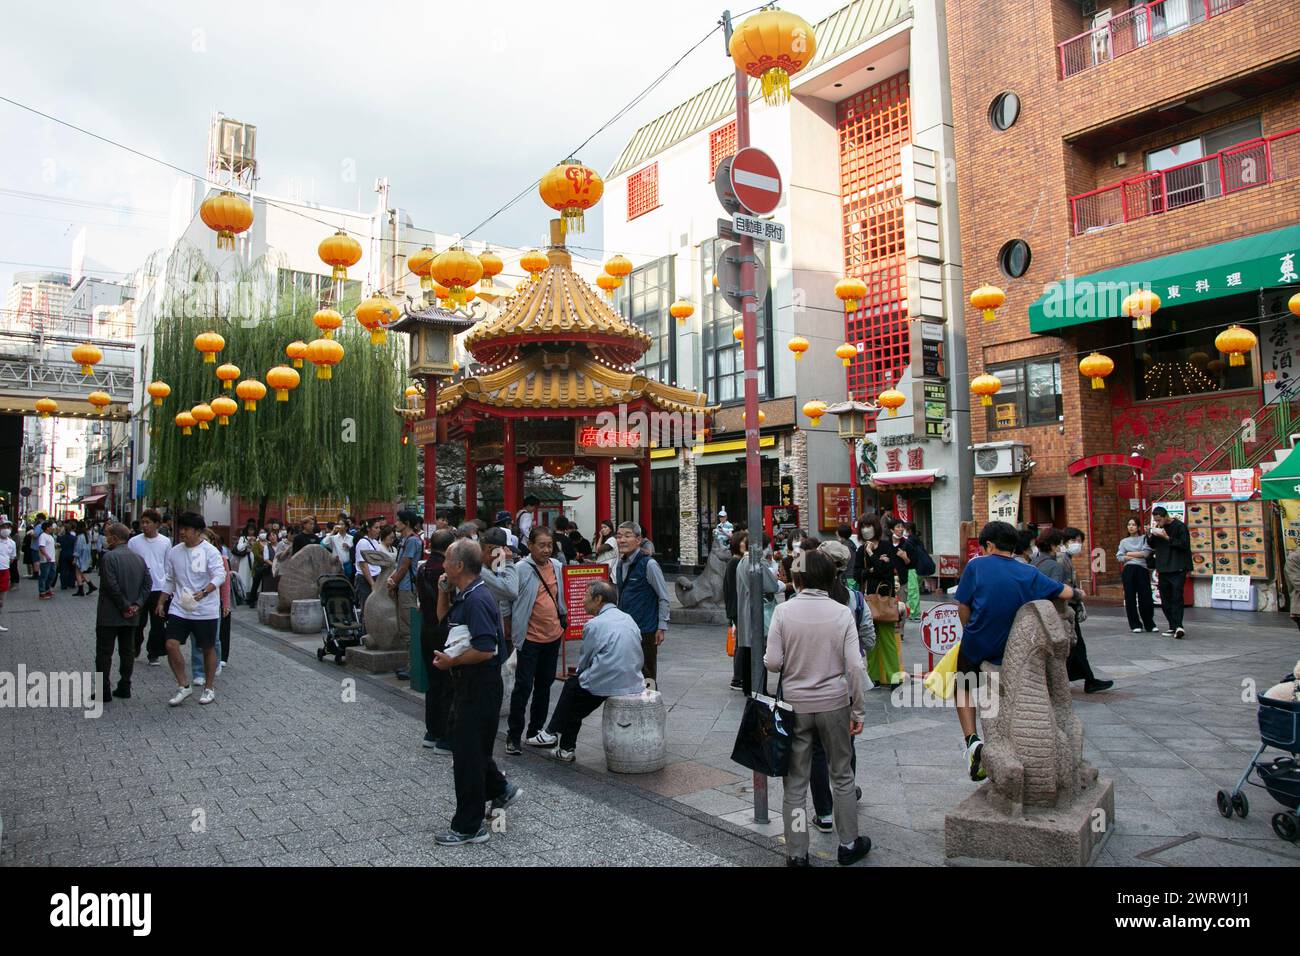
[1146,98]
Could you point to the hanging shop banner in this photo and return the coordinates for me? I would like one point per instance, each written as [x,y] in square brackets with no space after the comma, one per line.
[1004,499]
[1290,524]
[577,578]
[1240,484]
[1279,356]
[903,508]
[835,505]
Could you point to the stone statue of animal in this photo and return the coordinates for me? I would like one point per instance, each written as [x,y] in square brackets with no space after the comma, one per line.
[380,612]
[706,590]
[300,576]
[1033,748]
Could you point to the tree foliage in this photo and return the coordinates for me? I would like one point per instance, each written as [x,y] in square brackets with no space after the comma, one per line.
[336,438]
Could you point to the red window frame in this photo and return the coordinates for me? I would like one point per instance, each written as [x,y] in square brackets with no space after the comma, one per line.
[722,143]
[643,191]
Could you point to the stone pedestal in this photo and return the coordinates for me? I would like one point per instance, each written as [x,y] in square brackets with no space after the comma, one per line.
[266,604]
[281,622]
[706,616]
[377,662]
[307,617]
[1058,836]
[633,728]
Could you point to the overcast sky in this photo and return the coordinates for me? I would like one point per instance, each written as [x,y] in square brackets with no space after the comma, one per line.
[459,105]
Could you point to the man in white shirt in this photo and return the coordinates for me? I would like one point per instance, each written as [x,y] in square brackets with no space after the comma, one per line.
[152,546]
[367,573]
[191,599]
[49,565]
[8,559]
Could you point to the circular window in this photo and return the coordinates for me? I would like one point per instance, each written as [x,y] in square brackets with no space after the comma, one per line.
[1005,111]
[1014,258]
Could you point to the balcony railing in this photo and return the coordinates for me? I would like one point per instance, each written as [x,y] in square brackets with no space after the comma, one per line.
[1256,162]
[1135,28]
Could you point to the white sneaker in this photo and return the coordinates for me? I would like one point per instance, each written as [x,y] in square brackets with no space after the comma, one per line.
[542,739]
[221,666]
[199,679]
[3,629]
[208,697]
[181,694]
[564,756]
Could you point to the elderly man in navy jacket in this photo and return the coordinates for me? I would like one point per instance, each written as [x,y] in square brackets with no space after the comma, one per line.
[642,592]
[609,666]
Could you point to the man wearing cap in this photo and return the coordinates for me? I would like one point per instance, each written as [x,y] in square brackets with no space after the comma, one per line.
[502,521]
[500,574]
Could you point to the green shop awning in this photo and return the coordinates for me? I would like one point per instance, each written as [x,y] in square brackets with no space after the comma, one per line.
[1229,268]
[1283,482]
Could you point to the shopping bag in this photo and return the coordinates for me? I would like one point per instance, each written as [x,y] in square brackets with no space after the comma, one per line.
[731,641]
[884,607]
[942,681]
[763,740]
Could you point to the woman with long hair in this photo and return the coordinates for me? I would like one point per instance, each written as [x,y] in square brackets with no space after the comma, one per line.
[1133,553]
[872,567]
[82,558]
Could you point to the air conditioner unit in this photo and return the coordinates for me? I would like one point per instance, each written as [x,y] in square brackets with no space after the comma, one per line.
[999,459]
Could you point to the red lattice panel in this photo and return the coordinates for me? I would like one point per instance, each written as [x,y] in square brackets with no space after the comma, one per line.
[874,125]
[643,191]
[722,143]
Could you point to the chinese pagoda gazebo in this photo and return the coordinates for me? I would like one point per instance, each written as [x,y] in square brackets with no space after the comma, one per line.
[557,371]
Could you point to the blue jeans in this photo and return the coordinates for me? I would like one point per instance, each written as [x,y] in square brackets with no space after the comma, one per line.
[196,657]
[49,571]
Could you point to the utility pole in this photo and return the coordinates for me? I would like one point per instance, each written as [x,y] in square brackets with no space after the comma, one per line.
[753,464]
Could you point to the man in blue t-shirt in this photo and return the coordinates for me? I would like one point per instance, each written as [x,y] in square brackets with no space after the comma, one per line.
[993,589]
[472,615]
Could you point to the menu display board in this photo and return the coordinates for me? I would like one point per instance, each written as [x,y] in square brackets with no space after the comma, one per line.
[833,505]
[577,578]
[1227,538]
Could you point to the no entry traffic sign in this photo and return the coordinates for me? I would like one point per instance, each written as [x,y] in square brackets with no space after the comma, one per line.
[755,181]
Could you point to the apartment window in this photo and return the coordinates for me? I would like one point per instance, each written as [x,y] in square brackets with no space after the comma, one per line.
[723,362]
[318,290]
[722,143]
[643,191]
[1188,181]
[645,300]
[1030,395]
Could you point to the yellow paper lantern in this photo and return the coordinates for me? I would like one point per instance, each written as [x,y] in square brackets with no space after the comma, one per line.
[297,351]
[815,409]
[224,407]
[798,345]
[158,390]
[620,267]
[987,298]
[227,374]
[375,315]
[420,264]
[251,391]
[227,215]
[1293,304]
[100,400]
[851,292]
[570,189]
[681,310]
[457,270]
[282,379]
[892,399]
[1140,306]
[47,407]
[203,414]
[1234,341]
[324,354]
[327,320]
[762,417]
[738,333]
[186,421]
[492,266]
[986,386]
[533,262]
[87,356]
[847,353]
[772,46]
[339,251]
[608,283]
[1096,367]
[209,343]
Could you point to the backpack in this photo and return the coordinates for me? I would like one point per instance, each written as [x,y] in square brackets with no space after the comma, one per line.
[924,563]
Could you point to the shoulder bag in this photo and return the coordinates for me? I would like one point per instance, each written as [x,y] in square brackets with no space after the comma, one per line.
[763,741]
[884,606]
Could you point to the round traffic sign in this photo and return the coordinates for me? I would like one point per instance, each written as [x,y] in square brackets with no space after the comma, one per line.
[755,181]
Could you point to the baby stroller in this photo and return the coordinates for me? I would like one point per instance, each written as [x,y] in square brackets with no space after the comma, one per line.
[1279,727]
[342,627]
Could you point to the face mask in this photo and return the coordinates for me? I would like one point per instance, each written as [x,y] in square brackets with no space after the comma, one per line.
[868,534]
[1074,547]
[4,533]
[262,536]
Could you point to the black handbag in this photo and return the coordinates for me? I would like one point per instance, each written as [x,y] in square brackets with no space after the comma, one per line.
[763,742]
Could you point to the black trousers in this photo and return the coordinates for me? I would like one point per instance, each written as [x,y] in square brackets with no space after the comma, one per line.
[155,626]
[260,577]
[1171,597]
[224,637]
[574,706]
[1076,665]
[123,637]
[1137,597]
[438,694]
[650,651]
[819,777]
[534,674]
[478,690]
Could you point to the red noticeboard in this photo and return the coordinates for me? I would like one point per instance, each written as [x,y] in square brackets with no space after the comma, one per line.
[755,181]
[577,577]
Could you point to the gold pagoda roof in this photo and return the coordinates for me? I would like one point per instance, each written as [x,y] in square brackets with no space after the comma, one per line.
[556,308]
[572,379]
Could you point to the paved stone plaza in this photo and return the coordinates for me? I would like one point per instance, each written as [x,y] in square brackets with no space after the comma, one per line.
[282,771]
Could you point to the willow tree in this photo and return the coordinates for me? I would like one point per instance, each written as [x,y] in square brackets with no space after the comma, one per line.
[335,438]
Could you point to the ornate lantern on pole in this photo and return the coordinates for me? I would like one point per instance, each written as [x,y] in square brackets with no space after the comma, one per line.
[851,416]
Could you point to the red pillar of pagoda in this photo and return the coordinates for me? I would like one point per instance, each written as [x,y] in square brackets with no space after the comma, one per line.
[471,484]
[643,496]
[430,453]
[510,471]
[602,490]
